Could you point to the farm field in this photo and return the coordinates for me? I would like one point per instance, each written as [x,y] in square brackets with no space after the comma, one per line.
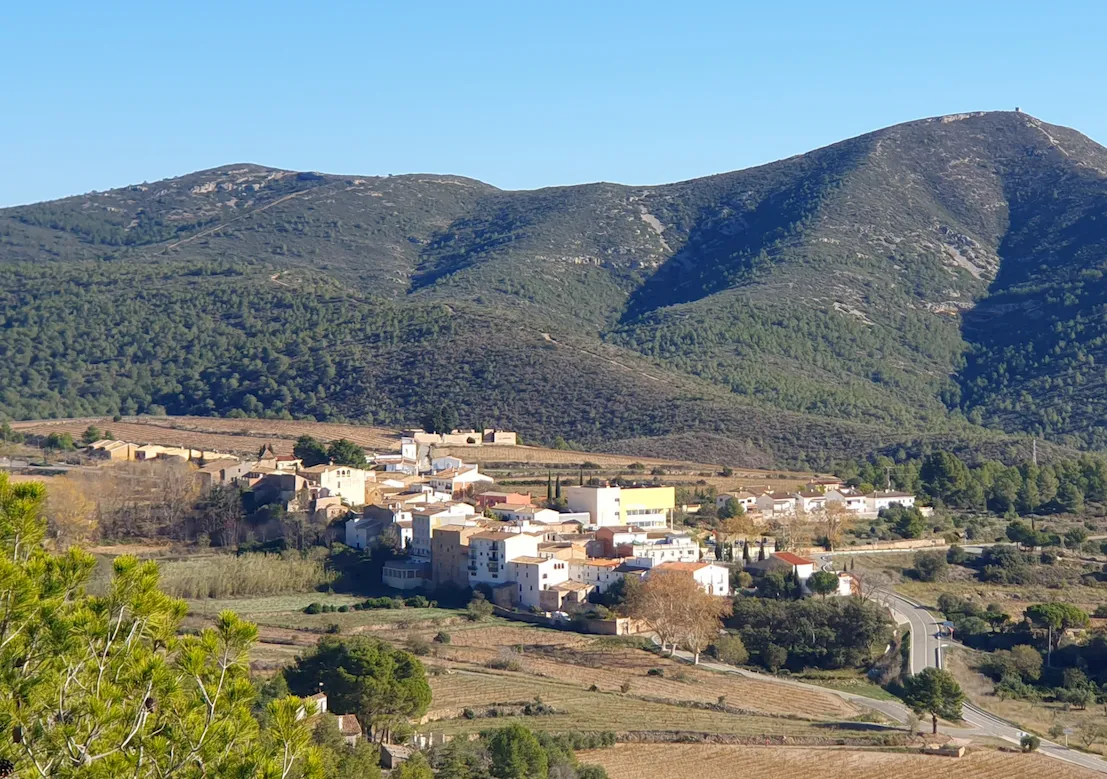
[587,660]
[244,436]
[576,708]
[712,761]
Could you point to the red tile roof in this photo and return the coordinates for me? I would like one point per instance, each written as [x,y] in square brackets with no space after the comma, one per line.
[792,559]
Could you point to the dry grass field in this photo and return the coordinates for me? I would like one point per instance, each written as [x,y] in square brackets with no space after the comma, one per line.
[710,761]
[585,661]
[244,436]
[1035,716]
[577,708]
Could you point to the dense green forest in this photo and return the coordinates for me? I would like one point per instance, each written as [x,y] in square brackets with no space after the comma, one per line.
[937,284]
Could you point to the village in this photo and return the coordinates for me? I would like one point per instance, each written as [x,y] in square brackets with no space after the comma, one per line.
[451,527]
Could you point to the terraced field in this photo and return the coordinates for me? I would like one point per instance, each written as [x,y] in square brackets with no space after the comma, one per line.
[576,708]
[584,661]
[236,436]
[710,761]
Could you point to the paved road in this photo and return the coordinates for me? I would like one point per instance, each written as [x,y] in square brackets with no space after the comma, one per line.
[926,652]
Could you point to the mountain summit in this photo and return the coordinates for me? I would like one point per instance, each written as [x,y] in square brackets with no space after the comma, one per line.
[940,279]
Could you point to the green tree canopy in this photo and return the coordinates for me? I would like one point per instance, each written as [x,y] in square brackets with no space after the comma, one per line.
[517,754]
[310,450]
[345,452]
[934,692]
[99,687]
[823,583]
[381,684]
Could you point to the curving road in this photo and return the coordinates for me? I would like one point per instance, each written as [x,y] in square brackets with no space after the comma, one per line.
[926,652]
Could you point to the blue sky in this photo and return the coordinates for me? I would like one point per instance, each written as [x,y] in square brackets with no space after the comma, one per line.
[519,94]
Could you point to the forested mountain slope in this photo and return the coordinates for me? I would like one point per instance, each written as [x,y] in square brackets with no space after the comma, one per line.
[927,281]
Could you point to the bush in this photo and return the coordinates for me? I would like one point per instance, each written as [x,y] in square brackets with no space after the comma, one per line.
[418,645]
[442,637]
[955,555]
[479,609]
[334,628]
[343,609]
[730,649]
[1100,611]
[313,608]
[655,672]
[1030,743]
[417,602]
[931,566]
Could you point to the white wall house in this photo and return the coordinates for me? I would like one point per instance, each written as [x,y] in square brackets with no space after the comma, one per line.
[603,504]
[802,567]
[458,481]
[600,573]
[446,463]
[341,480]
[715,579]
[850,500]
[670,548]
[746,500]
[532,575]
[776,503]
[489,553]
[810,502]
[878,501]
[516,513]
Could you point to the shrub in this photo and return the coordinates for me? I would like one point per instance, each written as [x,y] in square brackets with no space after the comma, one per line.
[334,628]
[418,645]
[730,649]
[1030,743]
[313,608]
[955,555]
[931,566]
[479,609]
[655,672]
[507,660]
[343,609]
[417,602]
[1100,611]
[442,637]
[625,686]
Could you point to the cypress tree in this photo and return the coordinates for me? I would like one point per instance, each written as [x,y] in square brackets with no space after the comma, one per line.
[549,487]
[557,488]
[745,551]
[761,551]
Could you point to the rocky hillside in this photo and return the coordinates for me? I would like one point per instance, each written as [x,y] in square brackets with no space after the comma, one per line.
[937,280]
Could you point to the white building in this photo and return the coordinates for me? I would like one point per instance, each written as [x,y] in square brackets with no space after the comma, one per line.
[516,513]
[776,503]
[458,481]
[878,501]
[810,502]
[644,507]
[660,548]
[849,499]
[532,575]
[746,500]
[802,567]
[490,551]
[341,480]
[715,579]
[446,463]
[601,573]
[603,504]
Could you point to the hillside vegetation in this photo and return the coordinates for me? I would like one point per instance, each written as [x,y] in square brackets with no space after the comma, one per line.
[938,282]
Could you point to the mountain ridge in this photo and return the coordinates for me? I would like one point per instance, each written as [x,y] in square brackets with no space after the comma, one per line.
[851,285]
